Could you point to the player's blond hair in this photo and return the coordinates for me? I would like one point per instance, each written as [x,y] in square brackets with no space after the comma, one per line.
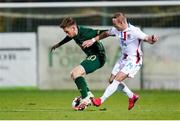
[66,22]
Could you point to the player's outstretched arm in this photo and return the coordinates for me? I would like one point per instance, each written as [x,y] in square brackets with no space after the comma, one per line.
[65,40]
[151,39]
[90,42]
[54,47]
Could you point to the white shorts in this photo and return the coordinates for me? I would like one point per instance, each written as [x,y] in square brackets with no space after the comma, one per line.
[129,66]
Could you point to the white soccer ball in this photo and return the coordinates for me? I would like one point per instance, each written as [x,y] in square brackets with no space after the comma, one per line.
[76,101]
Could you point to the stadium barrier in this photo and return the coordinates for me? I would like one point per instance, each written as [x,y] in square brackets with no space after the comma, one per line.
[18,59]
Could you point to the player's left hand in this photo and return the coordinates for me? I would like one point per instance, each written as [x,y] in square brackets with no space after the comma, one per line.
[87,43]
[154,39]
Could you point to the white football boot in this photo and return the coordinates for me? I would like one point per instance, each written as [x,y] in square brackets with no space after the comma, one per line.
[85,102]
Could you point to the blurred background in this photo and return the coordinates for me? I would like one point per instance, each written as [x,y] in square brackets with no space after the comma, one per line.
[29,28]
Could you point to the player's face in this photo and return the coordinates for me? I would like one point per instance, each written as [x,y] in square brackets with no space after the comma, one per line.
[117,23]
[70,31]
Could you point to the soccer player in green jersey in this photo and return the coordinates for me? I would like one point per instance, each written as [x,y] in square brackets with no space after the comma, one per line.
[95,56]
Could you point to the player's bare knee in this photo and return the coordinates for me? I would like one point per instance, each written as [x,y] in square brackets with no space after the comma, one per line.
[119,79]
[72,75]
[76,74]
[121,76]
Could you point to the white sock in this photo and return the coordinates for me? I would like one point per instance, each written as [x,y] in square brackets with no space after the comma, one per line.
[124,88]
[110,90]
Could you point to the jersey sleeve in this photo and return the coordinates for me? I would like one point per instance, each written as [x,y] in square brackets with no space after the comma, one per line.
[139,34]
[65,40]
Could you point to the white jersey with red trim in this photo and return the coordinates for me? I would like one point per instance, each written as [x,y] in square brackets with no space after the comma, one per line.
[130,39]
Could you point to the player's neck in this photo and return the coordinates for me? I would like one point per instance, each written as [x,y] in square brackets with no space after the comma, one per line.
[124,27]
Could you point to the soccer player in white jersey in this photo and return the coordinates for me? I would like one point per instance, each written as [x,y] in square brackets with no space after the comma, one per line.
[127,66]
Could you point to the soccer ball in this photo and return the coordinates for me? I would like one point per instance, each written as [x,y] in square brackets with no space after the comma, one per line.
[76,101]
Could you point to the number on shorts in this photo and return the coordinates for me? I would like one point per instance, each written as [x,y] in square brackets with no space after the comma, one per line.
[92,57]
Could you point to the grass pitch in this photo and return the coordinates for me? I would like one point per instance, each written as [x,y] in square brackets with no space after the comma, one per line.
[47,105]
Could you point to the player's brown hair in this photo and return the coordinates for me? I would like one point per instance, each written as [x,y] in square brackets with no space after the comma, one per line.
[66,22]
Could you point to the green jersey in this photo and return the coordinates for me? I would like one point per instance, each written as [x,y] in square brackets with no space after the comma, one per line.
[86,34]
[95,54]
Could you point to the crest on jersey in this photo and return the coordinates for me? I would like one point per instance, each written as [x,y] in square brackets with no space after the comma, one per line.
[128,36]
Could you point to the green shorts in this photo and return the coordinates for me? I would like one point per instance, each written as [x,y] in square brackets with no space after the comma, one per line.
[93,62]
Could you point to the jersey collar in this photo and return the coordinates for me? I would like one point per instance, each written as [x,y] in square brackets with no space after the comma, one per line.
[127,28]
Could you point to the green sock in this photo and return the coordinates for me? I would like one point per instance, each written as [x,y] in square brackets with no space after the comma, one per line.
[82,86]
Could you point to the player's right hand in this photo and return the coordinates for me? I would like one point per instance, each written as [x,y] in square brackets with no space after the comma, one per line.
[154,39]
[53,48]
[87,43]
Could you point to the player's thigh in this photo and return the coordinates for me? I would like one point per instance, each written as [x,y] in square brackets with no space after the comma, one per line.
[91,63]
[116,72]
[120,76]
[117,67]
[131,68]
